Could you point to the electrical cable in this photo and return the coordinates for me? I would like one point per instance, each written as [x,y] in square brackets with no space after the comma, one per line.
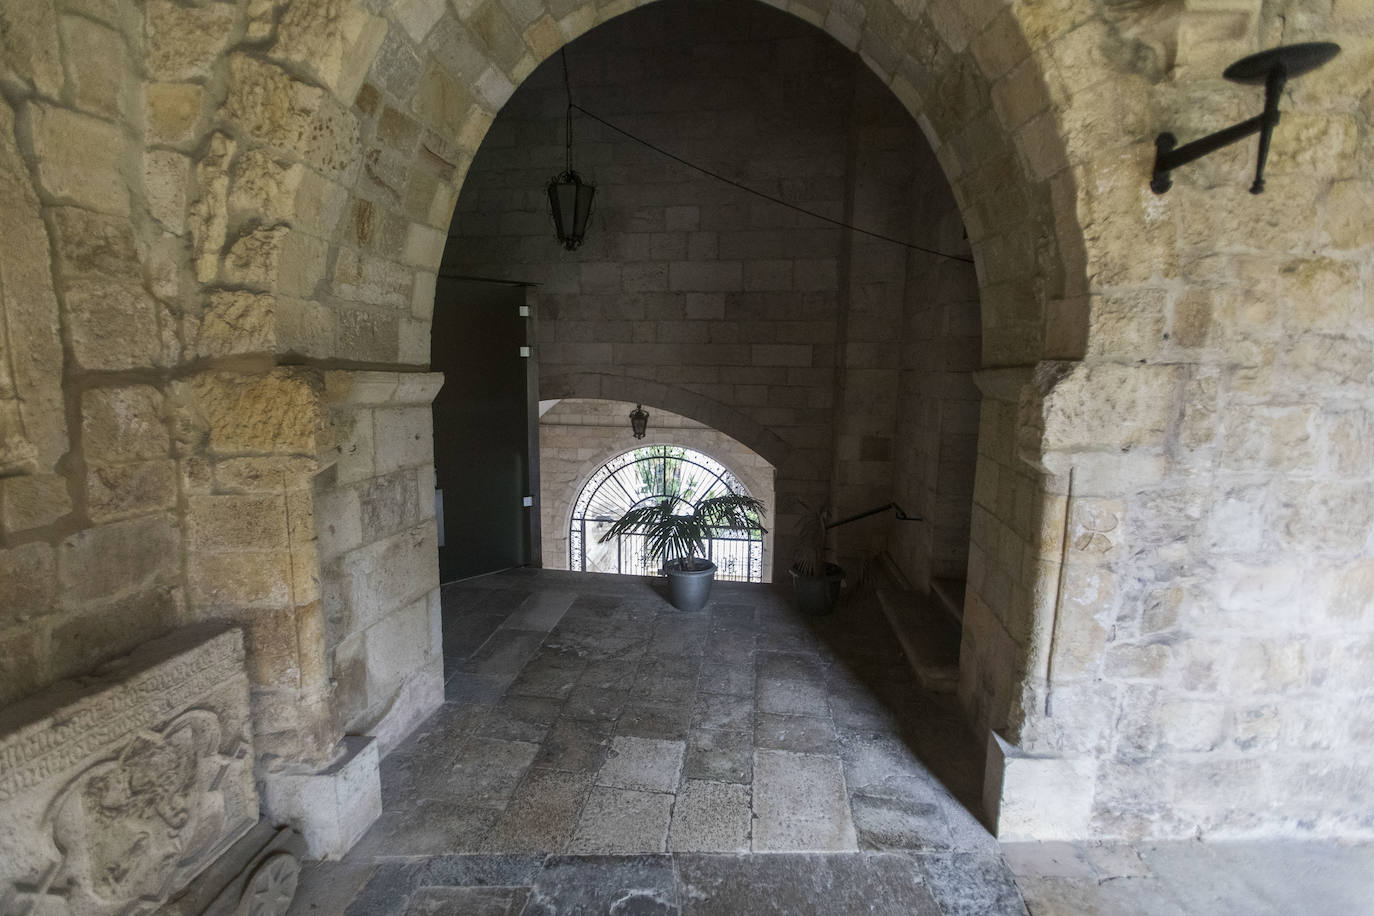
[567,87]
[744,187]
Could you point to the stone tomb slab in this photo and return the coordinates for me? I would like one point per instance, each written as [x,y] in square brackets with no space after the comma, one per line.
[117,789]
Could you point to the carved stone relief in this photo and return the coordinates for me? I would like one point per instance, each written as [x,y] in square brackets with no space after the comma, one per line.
[117,790]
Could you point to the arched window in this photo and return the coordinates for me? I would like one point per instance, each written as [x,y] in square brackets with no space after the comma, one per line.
[647,475]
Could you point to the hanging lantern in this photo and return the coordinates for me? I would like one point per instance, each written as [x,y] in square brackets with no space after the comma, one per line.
[639,421]
[570,202]
[570,198]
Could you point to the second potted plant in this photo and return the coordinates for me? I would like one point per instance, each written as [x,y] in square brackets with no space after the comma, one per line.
[680,540]
[815,582]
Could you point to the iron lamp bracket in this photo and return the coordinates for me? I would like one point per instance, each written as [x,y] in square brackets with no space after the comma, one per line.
[1272,69]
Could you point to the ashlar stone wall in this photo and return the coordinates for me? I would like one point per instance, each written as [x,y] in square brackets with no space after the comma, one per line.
[579,435]
[207,209]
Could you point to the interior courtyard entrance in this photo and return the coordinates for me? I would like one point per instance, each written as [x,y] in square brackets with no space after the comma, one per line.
[222,226]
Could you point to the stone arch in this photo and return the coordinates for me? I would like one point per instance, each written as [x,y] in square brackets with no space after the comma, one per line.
[421,87]
[680,401]
[394,108]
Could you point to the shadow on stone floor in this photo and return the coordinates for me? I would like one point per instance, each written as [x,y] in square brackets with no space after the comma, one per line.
[593,732]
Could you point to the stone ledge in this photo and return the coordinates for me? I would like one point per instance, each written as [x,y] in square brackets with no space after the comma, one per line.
[333,807]
[381,389]
[1029,797]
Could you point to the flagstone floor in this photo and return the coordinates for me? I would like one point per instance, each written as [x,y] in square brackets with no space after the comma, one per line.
[600,752]
[598,745]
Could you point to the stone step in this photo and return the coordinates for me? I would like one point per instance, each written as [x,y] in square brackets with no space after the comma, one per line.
[950,594]
[929,636]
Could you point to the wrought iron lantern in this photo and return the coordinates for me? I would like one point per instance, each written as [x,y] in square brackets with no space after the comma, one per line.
[570,198]
[570,202]
[639,421]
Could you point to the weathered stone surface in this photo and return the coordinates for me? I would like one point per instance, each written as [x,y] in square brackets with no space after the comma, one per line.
[711,817]
[172,111]
[637,884]
[440,100]
[29,39]
[265,188]
[290,115]
[210,213]
[800,803]
[112,325]
[33,429]
[95,59]
[94,244]
[237,322]
[377,281]
[325,37]
[622,822]
[79,158]
[388,574]
[165,177]
[32,501]
[255,258]
[121,425]
[30,582]
[277,413]
[112,559]
[156,750]
[122,491]
[184,42]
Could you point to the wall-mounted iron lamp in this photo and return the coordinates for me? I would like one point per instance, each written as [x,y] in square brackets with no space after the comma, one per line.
[1272,68]
[570,198]
[639,421]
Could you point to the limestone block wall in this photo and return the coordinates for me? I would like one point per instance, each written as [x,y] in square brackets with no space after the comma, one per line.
[883,149]
[379,560]
[579,435]
[936,443]
[1185,494]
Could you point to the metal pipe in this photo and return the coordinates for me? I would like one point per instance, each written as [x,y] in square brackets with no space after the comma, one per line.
[901,516]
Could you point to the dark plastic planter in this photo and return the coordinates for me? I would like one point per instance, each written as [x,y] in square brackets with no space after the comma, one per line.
[816,595]
[689,589]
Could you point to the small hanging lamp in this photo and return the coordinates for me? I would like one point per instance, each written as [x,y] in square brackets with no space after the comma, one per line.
[639,421]
[570,198]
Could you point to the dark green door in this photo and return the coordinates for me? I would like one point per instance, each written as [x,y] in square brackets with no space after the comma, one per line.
[483,426]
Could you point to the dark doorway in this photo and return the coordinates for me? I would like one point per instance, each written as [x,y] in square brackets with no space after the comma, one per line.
[484,423]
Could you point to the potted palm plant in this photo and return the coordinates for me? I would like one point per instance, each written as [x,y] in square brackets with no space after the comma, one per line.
[815,582]
[680,540]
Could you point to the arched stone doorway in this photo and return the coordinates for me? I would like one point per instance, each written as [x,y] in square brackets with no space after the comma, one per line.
[261,205]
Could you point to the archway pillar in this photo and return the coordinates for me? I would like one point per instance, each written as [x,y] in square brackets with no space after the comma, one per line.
[310,523]
[1065,448]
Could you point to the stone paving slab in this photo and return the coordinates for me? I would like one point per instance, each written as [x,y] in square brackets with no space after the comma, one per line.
[629,885]
[711,817]
[621,822]
[646,764]
[469,901]
[541,610]
[800,803]
[836,885]
[542,815]
[799,734]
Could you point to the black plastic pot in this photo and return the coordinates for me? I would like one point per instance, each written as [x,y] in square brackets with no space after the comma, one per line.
[816,595]
[689,589]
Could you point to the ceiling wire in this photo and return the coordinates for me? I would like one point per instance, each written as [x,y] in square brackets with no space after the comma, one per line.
[744,187]
[567,87]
